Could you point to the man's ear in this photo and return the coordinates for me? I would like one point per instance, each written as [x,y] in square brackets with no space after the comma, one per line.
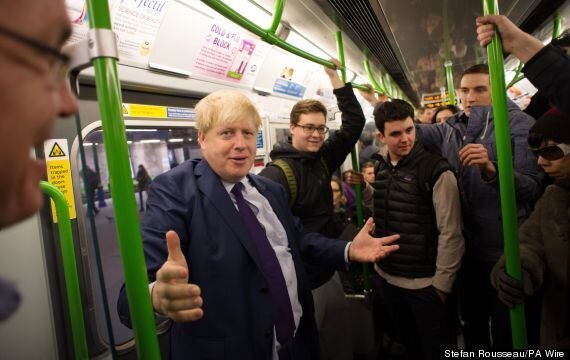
[200,138]
[291,127]
[381,137]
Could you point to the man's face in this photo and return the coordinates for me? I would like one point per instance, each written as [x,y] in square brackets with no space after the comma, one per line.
[475,90]
[32,96]
[230,149]
[556,169]
[302,138]
[368,174]
[399,137]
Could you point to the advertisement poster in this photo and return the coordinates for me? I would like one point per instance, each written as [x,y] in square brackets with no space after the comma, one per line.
[294,77]
[136,23]
[229,54]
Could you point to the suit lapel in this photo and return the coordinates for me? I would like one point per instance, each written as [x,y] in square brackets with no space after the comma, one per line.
[212,188]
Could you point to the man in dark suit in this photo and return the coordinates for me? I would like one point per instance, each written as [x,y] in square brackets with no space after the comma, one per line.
[230,272]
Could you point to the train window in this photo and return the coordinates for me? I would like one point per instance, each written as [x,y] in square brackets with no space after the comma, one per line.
[152,151]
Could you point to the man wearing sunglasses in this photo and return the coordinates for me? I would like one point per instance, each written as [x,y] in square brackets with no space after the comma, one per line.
[310,161]
[545,254]
[33,93]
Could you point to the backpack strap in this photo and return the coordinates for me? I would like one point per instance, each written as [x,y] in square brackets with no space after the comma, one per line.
[291,180]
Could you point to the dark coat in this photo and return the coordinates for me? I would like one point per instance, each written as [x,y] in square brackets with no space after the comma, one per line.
[549,72]
[237,324]
[480,198]
[544,255]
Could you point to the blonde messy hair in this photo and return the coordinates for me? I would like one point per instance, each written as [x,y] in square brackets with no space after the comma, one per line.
[224,107]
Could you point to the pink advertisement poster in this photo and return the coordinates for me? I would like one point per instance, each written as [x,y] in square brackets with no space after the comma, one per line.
[225,54]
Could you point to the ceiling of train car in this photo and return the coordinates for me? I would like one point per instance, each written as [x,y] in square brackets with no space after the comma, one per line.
[408,37]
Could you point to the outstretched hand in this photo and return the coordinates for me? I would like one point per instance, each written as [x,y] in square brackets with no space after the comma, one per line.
[366,248]
[172,295]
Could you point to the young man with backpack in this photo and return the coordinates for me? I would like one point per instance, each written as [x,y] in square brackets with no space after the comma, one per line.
[304,167]
[416,195]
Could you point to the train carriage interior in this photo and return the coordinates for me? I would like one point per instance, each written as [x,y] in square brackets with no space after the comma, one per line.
[172,53]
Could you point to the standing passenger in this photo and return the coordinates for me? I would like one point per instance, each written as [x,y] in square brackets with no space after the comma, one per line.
[416,195]
[143,182]
[467,141]
[31,64]
[544,249]
[312,160]
[230,273]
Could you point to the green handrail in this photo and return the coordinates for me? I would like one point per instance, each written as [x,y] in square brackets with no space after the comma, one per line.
[448,64]
[516,78]
[269,35]
[506,177]
[557,26]
[265,35]
[371,77]
[340,52]
[355,167]
[126,212]
[70,269]
[279,5]
[449,76]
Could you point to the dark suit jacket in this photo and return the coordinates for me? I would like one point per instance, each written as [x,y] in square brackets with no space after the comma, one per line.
[237,324]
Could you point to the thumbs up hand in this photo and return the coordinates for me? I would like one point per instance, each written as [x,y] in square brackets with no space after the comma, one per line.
[172,295]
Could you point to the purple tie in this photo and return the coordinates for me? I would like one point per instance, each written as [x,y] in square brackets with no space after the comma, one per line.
[281,304]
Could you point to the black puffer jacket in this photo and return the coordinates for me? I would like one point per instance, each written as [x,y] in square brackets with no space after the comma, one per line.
[403,205]
[313,173]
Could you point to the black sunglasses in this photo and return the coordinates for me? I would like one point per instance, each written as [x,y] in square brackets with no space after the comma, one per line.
[552,152]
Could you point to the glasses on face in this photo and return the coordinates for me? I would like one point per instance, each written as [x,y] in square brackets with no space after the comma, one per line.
[58,68]
[310,129]
[552,152]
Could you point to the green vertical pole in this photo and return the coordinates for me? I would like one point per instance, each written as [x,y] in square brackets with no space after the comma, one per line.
[371,77]
[354,158]
[448,63]
[279,5]
[70,270]
[126,214]
[506,176]
[557,25]
[449,76]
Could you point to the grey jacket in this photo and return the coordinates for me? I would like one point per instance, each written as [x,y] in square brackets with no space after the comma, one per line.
[480,197]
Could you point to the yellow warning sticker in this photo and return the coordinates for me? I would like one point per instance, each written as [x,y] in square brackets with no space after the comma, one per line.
[56,151]
[150,111]
[59,172]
